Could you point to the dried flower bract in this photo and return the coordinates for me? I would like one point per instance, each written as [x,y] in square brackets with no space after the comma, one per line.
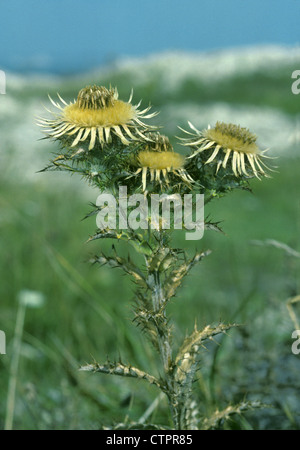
[229,142]
[97,115]
[158,158]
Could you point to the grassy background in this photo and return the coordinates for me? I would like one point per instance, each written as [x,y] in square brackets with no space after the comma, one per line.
[86,311]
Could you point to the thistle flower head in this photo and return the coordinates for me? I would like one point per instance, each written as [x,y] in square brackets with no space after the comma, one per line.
[97,115]
[229,142]
[158,143]
[158,158]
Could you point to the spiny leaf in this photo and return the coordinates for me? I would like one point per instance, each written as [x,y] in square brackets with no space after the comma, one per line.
[154,324]
[174,280]
[121,370]
[131,236]
[122,263]
[161,259]
[93,212]
[214,226]
[143,247]
[136,426]
[187,360]
[192,342]
[218,417]
[108,234]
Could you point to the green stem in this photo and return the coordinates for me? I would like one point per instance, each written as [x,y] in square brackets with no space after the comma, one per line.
[164,345]
[162,326]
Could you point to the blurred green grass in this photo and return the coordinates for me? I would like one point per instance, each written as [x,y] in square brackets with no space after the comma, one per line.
[87,313]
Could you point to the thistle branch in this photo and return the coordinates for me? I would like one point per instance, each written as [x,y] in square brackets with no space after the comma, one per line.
[121,370]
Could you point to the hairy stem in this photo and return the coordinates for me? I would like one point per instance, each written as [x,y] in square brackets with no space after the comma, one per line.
[163,340]
[163,331]
[163,336]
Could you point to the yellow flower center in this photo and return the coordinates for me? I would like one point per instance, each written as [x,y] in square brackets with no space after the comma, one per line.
[161,160]
[120,113]
[233,137]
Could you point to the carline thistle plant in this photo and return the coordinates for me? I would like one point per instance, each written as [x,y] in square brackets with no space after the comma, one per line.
[110,144]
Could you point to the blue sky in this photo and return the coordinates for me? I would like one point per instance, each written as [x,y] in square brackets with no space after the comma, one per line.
[75,35]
